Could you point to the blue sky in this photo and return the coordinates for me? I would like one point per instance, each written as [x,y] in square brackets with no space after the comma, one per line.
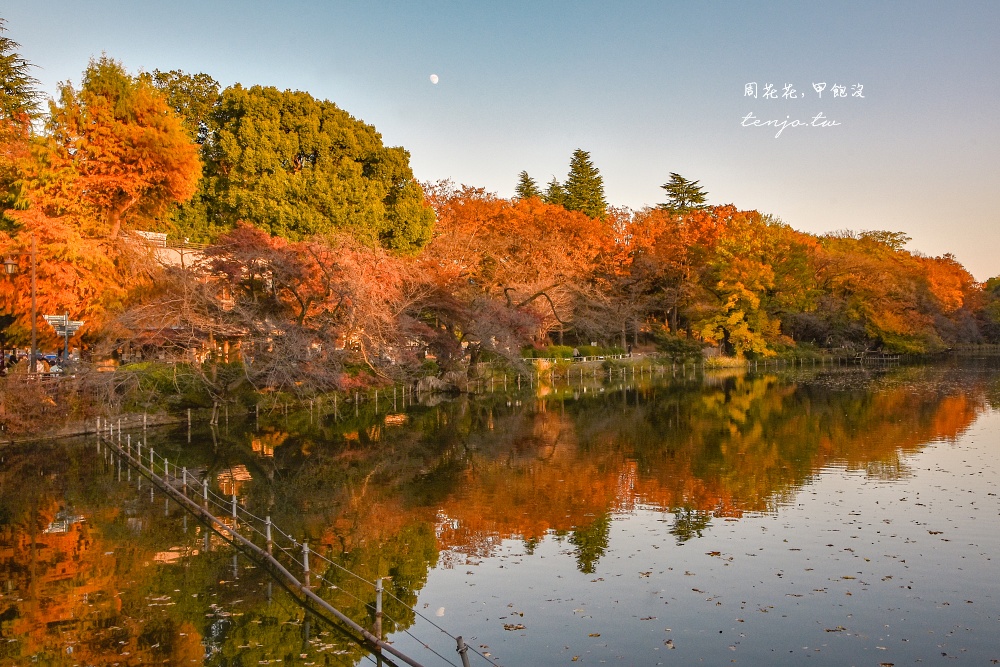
[648,88]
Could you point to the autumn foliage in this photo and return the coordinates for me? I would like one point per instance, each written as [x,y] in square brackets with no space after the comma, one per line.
[328,265]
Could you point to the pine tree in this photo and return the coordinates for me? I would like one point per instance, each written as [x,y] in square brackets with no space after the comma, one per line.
[683,196]
[19,100]
[526,187]
[19,97]
[555,193]
[585,186]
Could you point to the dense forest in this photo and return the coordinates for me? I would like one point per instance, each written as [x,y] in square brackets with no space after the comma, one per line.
[316,260]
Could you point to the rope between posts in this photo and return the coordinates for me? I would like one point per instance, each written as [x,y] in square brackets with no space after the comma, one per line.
[344,591]
[289,552]
[251,515]
[427,647]
[283,533]
[341,567]
[296,584]
[432,623]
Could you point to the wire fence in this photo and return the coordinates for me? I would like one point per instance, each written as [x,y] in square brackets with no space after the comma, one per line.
[229,515]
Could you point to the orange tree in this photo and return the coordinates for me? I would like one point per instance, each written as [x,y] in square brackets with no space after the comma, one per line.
[306,311]
[128,150]
[505,272]
[113,155]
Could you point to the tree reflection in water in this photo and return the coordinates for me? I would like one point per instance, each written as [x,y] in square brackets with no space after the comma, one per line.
[394,497]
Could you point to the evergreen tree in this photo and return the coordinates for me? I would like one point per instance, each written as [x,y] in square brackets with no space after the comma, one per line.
[193,96]
[526,187]
[683,196]
[18,107]
[585,186]
[555,193]
[18,96]
[297,166]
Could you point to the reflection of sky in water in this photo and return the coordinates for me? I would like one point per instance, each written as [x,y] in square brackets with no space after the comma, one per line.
[852,570]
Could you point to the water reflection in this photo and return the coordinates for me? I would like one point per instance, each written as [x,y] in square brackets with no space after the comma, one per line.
[739,444]
[92,568]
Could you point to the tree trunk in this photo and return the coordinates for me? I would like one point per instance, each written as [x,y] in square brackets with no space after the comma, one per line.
[115,218]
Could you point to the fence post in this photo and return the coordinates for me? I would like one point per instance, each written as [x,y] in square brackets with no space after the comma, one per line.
[305,563]
[234,512]
[267,534]
[184,479]
[378,608]
[462,650]
[151,460]
[204,492]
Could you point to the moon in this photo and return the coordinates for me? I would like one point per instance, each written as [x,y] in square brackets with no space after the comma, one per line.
[435,79]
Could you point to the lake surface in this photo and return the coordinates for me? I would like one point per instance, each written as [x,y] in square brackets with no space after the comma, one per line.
[833,516]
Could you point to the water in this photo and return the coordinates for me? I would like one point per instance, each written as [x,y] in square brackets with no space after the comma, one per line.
[833,516]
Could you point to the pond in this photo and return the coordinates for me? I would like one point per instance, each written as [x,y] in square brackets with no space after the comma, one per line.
[839,516]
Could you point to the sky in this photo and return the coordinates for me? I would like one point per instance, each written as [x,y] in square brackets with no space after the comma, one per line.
[912,144]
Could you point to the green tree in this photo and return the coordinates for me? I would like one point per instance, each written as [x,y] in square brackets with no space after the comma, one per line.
[18,106]
[297,166]
[683,196]
[988,314]
[19,97]
[193,97]
[527,187]
[555,193]
[591,542]
[585,186]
